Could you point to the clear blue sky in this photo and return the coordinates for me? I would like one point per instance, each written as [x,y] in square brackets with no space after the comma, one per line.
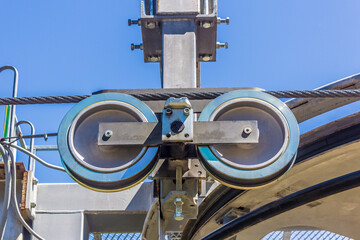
[77,47]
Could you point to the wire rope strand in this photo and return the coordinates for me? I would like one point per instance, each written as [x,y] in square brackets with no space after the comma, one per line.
[353,93]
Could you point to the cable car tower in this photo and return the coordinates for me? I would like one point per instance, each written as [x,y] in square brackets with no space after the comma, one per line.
[184,145]
[201,148]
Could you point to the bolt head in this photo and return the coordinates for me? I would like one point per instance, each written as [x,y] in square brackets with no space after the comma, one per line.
[187,111]
[33,204]
[151,25]
[154,59]
[177,126]
[178,216]
[247,130]
[35,181]
[206,58]
[178,200]
[206,24]
[108,133]
[168,111]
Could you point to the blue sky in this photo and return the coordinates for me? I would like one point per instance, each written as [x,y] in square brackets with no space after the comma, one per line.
[77,47]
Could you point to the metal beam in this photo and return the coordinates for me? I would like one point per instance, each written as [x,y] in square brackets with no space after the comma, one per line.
[205,133]
[179,55]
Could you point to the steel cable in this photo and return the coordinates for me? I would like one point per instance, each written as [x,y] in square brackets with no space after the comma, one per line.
[354,93]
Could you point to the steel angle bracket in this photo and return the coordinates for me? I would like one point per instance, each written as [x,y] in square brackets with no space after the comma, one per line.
[205,133]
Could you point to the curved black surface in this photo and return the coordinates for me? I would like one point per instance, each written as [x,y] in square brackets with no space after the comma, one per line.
[322,139]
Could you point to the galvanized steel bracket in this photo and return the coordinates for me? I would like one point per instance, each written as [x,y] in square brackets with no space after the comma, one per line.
[204,133]
[177,121]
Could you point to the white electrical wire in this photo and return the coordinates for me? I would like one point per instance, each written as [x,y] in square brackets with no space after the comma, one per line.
[15,203]
[7,193]
[46,164]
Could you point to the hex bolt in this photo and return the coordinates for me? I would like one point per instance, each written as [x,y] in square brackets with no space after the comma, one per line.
[178,216]
[247,130]
[33,205]
[222,45]
[35,181]
[134,22]
[151,25]
[133,47]
[154,59]
[108,133]
[206,24]
[221,20]
[206,58]
[168,111]
[186,111]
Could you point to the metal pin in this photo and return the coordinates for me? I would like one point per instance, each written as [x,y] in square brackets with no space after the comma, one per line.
[108,133]
[134,22]
[221,20]
[206,24]
[221,45]
[133,47]
[178,216]
[247,130]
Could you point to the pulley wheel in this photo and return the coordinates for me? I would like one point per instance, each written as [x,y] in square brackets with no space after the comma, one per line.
[104,168]
[251,164]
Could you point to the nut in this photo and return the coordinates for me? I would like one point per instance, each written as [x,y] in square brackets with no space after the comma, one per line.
[187,111]
[247,130]
[168,111]
[108,133]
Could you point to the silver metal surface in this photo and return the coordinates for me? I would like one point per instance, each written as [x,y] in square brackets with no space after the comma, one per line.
[31,195]
[129,133]
[149,134]
[179,55]
[83,135]
[274,129]
[177,7]
[177,121]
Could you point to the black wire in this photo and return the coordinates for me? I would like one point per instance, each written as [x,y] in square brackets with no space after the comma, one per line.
[287,203]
